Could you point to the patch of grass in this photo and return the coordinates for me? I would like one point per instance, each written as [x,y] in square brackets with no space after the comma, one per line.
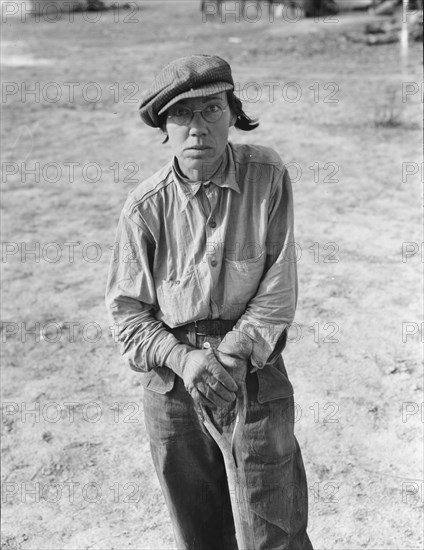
[388,113]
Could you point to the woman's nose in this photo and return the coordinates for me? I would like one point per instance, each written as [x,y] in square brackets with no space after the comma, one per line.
[198,125]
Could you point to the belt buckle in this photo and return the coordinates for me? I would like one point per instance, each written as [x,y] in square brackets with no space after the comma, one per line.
[195,330]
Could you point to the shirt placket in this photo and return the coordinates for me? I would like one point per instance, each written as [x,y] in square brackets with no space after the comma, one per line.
[213,245]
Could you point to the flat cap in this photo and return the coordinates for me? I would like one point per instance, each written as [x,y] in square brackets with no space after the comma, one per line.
[192,76]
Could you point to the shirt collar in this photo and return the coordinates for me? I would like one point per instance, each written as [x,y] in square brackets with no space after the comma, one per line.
[225,176]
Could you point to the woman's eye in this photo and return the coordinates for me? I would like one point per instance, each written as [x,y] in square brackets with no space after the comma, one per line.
[179,111]
[212,108]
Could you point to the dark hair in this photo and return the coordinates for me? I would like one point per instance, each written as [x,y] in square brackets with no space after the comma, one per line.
[243,122]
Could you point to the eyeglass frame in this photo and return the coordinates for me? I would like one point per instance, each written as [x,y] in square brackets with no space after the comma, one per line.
[201,114]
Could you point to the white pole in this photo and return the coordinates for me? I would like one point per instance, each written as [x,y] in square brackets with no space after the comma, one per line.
[404,38]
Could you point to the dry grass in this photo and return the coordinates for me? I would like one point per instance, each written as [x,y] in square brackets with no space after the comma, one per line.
[354,196]
[388,112]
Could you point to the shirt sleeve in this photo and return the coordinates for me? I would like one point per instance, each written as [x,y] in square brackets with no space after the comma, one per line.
[273,307]
[131,298]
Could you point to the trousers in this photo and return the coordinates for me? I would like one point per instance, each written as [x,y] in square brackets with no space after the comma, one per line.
[193,478]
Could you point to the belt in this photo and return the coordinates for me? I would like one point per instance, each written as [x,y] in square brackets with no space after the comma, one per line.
[206,327]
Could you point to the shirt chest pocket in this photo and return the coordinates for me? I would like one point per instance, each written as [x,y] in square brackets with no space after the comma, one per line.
[180,299]
[241,280]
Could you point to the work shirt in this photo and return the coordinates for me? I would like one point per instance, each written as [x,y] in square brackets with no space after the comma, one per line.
[219,249]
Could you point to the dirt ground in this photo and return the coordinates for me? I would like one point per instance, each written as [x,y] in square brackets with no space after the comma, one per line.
[346,118]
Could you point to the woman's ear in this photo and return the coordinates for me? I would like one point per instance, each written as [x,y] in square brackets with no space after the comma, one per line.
[233,119]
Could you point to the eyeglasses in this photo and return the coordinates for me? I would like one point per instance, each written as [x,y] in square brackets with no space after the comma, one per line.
[184,115]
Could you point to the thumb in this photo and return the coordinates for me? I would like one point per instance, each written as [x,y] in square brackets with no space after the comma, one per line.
[229,361]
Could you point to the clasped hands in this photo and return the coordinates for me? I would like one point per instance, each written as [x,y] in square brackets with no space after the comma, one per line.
[214,377]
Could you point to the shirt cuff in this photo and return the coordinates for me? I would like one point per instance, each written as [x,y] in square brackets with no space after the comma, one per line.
[258,358]
[241,344]
[264,339]
[236,343]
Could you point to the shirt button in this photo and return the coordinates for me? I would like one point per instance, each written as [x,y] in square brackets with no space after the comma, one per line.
[206,345]
[214,263]
[212,223]
[260,365]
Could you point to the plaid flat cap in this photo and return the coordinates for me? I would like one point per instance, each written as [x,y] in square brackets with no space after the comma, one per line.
[192,76]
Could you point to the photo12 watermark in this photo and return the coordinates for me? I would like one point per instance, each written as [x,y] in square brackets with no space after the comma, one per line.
[69,172]
[412,490]
[412,411]
[411,89]
[412,249]
[412,170]
[254,11]
[70,92]
[411,330]
[72,492]
[70,412]
[288,92]
[69,11]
